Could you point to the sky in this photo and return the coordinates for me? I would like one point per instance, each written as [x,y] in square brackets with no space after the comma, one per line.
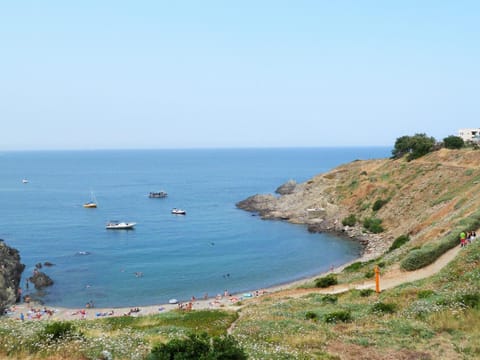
[146,74]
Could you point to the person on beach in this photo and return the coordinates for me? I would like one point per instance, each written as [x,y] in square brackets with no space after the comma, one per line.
[19,294]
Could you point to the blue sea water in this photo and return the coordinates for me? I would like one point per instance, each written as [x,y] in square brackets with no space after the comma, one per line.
[215,247]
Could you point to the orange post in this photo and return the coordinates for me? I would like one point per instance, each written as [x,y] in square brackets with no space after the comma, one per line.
[377,279]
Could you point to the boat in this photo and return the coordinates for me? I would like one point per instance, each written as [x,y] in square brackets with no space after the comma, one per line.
[25,181]
[92,203]
[178,211]
[120,225]
[159,194]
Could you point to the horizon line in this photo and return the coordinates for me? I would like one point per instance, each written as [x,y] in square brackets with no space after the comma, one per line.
[198,148]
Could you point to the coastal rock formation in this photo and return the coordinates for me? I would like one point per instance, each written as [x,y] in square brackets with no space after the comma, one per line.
[262,204]
[413,198]
[40,280]
[287,188]
[10,274]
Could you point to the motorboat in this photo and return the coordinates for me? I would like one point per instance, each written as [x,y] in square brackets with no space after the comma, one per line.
[178,211]
[120,225]
[159,194]
[25,181]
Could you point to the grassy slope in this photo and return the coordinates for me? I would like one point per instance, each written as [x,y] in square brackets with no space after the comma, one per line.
[433,318]
[428,199]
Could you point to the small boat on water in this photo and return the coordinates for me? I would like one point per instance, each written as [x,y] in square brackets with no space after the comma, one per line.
[159,194]
[120,225]
[92,203]
[178,211]
[25,181]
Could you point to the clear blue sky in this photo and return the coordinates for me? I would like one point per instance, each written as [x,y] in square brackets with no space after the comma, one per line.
[204,74]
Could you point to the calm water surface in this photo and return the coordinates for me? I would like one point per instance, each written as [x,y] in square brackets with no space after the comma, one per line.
[214,247]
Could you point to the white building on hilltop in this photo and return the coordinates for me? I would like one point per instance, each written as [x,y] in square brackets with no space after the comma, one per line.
[472,134]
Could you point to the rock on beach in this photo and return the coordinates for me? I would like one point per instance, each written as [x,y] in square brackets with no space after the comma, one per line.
[11,270]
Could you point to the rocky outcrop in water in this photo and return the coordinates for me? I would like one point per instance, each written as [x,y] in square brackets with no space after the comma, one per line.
[40,280]
[10,274]
[261,204]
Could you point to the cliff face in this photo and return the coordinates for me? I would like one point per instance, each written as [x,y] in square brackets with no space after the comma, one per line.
[10,274]
[422,198]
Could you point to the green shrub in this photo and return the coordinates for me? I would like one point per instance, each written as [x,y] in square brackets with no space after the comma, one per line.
[377,205]
[373,225]
[423,294]
[471,300]
[427,254]
[199,347]
[310,315]
[370,274]
[366,292]
[354,266]
[350,220]
[58,330]
[338,316]
[399,241]
[423,256]
[413,146]
[330,298]
[383,308]
[453,142]
[326,281]
[354,184]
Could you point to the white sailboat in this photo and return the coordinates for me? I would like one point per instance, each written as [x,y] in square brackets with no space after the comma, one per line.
[92,203]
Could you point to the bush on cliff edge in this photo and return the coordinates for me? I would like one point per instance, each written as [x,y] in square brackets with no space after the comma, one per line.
[429,253]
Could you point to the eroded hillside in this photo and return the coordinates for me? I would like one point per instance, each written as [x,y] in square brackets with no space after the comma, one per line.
[423,198]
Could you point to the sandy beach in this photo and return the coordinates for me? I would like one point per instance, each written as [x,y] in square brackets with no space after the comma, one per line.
[37,311]
[394,277]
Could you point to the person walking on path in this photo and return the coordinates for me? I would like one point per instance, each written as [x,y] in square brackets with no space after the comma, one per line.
[463,239]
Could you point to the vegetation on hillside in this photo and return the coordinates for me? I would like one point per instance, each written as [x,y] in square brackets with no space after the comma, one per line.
[413,146]
[453,142]
[419,145]
[421,206]
[436,318]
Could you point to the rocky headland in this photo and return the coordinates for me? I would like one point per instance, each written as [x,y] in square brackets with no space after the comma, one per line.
[11,270]
[420,198]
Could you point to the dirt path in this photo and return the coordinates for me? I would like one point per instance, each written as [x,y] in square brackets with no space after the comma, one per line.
[392,278]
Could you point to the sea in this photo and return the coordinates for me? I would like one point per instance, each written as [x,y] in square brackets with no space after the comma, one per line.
[214,248]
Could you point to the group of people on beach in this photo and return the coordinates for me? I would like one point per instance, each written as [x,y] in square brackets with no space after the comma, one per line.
[33,313]
[30,314]
[467,237]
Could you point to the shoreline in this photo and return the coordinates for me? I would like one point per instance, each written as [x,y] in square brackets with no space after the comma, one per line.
[34,311]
